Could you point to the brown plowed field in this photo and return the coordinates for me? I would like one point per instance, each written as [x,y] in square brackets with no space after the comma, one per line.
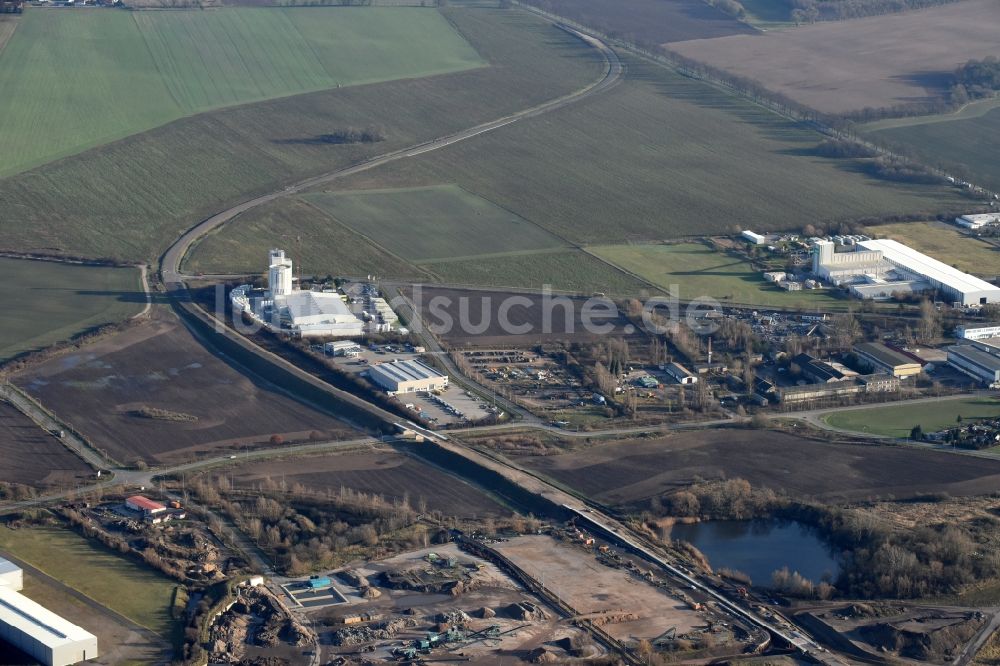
[849,65]
[442,311]
[387,473]
[161,365]
[631,472]
[33,457]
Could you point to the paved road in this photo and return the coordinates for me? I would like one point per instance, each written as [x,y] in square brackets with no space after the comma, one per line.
[170,263]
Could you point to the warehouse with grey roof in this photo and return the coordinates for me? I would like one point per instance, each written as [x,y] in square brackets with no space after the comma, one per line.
[407,377]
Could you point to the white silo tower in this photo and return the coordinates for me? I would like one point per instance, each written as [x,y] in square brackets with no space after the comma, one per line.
[279,274]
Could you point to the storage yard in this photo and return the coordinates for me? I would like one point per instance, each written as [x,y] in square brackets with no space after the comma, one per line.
[630,473]
[141,395]
[33,457]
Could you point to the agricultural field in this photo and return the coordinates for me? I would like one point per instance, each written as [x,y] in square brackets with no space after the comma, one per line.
[319,244]
[108,390]
[427,224]
[898,420]
[969,142]
[871,62]
[568,270]
[660,156]
[33,457]
[7,26]
[629,473]
[648,22]
[393,475]
[946,243]
[698,271]
[142,191]
[140,594]
[93,77]
[68,298]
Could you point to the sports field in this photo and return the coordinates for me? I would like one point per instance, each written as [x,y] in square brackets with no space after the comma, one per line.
[698,271]
[426,224]
[50,302]
[142,191]
[971,141]
[73,80]
[135,591]
[898,420]
[947,243]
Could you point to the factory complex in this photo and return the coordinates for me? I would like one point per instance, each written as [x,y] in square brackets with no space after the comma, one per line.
[36,631]
[308,312]
[883,269]
[409,376]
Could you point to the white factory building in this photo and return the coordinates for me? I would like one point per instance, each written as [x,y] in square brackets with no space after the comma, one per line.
[407,377]
[302,313]
[877,269]
[38,632]
[977,221]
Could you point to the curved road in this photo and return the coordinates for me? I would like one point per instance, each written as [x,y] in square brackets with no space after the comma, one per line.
[170,262]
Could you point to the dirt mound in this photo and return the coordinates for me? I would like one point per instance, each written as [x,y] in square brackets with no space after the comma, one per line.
[934,637]
[486,613]
[371,593]
[873,610]
[526,611]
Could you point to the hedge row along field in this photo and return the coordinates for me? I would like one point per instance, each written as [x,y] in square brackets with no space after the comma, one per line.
[73,80]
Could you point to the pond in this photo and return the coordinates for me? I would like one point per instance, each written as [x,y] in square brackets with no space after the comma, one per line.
[760,547]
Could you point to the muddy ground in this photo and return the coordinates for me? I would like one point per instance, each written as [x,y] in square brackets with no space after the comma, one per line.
[33,457]
[630,472]
[212,407]
[384,472]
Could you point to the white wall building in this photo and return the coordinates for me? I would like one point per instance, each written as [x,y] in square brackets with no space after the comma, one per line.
[756,239]
[976,363]
[840,267]
[977,332]
[279,274]
[977,221]
[408,376]
[680,374]
[36,631]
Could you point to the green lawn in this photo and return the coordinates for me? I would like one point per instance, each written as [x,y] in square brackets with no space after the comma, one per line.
[135,591]
[571,270]
[132,198]
[50,302]
[945,242]
[697,270]
[969,140]
[427,224]
[898,420]
[73,80]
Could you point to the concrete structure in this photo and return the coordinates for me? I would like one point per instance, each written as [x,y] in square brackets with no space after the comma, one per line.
[953,284]
[886,360]
[977,332]
[976,363]
[316,314]
[875,289]
[342,348]
[279,274]
[37,631]
[756,239]
[841,267]
[680,374]
[977,221]
[407,377]
[775,276]
[144,505]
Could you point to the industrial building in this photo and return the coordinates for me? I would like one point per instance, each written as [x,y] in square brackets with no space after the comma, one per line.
[977,332]
[36,631]
[342,348]
[680,374]
[886,360]
[409,376]
[975,362]
[144,505]
[756,239]
[974,221]
[879,269]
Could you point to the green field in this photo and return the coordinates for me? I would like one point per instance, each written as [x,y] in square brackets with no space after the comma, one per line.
[660,156]
[138,593]
[130,199]
[427,224]
[898,420]
[946,243]
[698,270]
[319,245]
[50,302]
[571,270]
[73,80]
[971,141]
